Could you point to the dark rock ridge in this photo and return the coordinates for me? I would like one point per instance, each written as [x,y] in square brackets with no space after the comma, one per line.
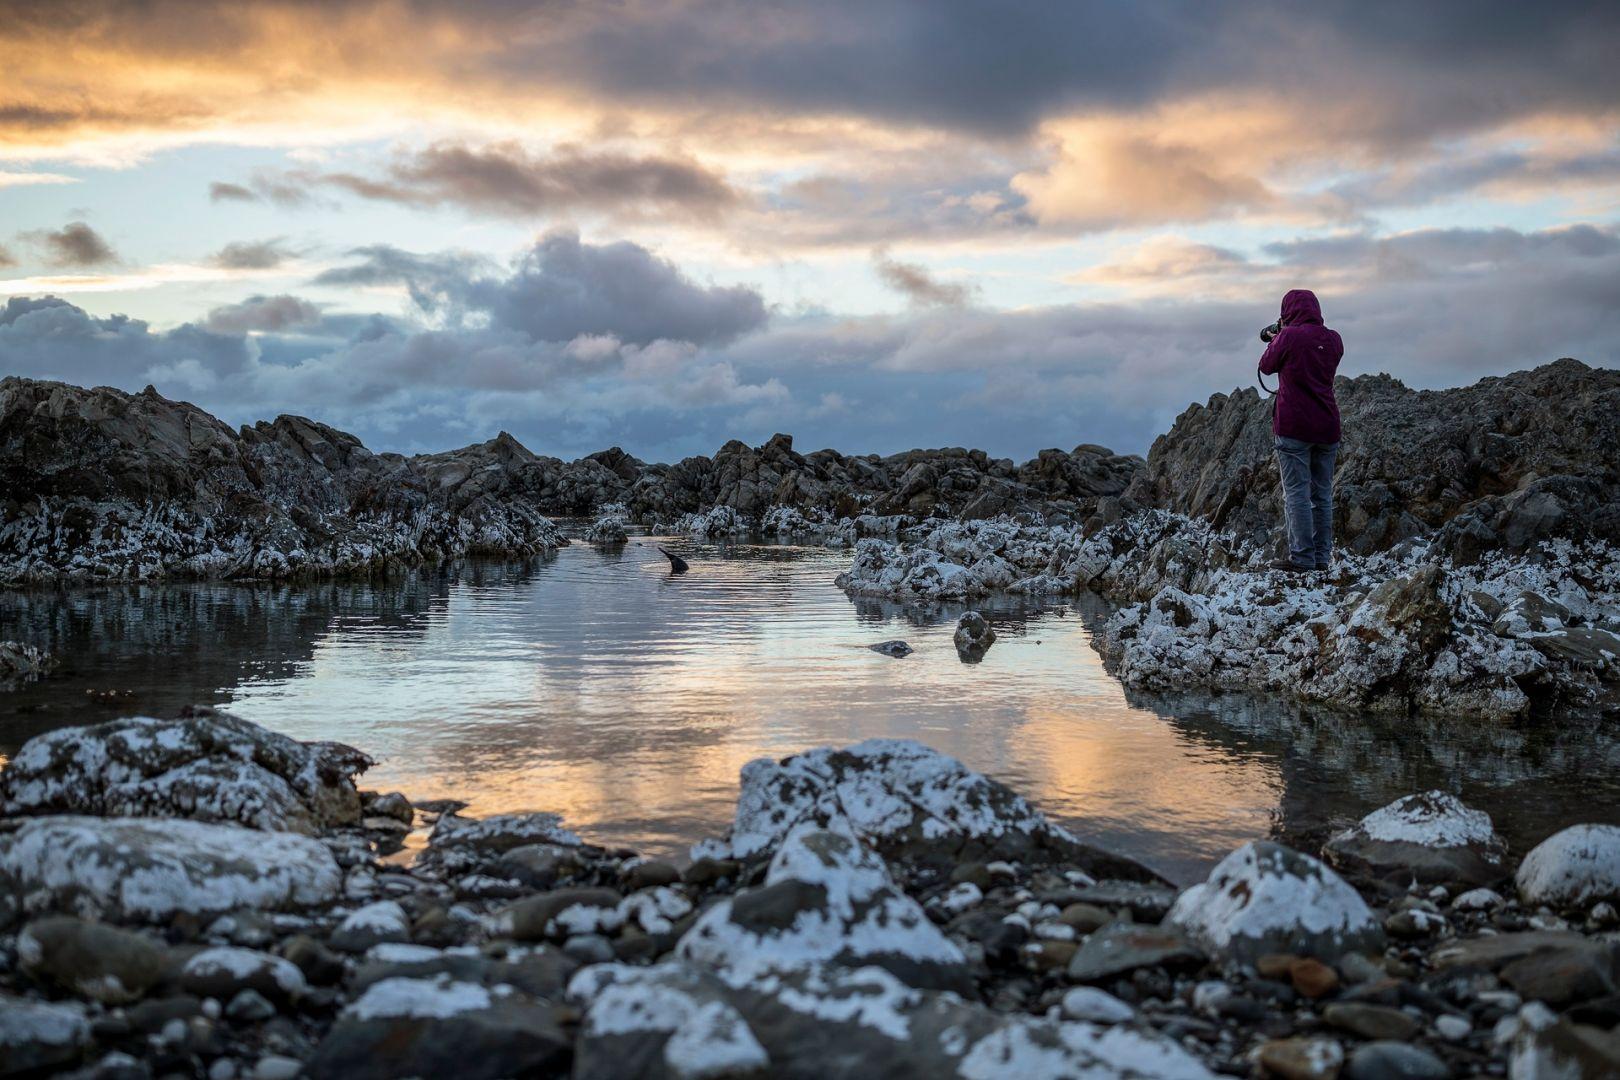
[1503,463]
[99,483]
[103,484]
[874,910]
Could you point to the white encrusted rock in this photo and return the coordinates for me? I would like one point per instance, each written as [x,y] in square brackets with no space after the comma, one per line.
[904,800]
[38,1035]
[826,900]
[205,766]
[138,869]
[1573,868]
[1430,838]
[1266,898]
[676,1021]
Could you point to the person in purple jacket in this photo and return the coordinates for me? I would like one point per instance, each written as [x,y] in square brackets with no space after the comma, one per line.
[1304,355]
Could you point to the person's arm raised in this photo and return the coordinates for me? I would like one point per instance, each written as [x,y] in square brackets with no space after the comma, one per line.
[1271,361]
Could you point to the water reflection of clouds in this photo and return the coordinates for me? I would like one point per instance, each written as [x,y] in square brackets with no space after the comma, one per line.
[598,685]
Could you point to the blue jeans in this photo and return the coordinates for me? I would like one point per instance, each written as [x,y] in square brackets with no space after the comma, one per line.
[1307,483]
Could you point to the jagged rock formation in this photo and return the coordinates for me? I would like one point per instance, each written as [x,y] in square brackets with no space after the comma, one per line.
[1503,463]
[103,484]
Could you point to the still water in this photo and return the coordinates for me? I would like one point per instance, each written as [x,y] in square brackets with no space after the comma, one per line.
[600,686]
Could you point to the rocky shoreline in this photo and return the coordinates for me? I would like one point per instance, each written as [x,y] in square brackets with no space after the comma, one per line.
[203,897]
[1478,528]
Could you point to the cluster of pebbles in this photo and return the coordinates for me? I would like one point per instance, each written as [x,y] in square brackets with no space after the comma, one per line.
[202,897]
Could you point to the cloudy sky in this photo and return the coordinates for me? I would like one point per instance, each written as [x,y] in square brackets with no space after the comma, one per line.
[875,225]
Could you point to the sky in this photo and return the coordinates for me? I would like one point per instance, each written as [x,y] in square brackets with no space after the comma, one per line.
[875,225]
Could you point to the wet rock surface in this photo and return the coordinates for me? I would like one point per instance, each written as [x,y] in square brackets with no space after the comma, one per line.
[876,910]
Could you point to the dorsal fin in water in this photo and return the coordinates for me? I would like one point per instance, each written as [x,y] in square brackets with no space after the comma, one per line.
[677,565]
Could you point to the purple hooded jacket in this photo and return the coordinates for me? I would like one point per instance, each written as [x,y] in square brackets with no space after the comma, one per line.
[1304,357]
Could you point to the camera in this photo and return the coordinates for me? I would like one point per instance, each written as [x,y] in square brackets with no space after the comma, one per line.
[1271,331]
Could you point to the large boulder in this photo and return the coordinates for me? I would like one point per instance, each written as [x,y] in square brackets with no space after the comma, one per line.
[1431,838]
[1266,898]
[826,899]
[1573,868]
[144,870]
[205,766]
[908,803]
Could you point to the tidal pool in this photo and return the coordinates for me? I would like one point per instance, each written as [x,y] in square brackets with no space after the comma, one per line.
[598,685]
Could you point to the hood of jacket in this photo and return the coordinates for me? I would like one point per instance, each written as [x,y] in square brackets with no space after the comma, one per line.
[1301,306]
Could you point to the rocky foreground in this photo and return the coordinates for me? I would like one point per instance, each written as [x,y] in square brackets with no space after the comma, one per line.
[201,897]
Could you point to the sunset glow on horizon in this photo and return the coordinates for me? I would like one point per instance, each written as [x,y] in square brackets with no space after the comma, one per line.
[663,224]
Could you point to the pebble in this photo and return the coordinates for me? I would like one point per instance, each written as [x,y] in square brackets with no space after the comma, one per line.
[1452,1028]
[589,949]
[222,1069]
[1094,1005]
[1301,1058]
[1371,1021]
[250,1005]
[277,1067]
[1312,978]
[1394,1061]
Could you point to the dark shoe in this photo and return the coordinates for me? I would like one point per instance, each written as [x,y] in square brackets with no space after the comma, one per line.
[1291,567]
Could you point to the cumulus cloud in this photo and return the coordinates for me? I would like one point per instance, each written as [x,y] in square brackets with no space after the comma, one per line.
[918,286]
[252,254]
[564,288]
[74,245]
[528,349]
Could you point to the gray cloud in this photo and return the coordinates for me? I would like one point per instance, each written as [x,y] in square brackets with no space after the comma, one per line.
[253,254]
[563,288]
[6,257]
[504,178]
[75,245]
[273,313]
[918,286]
[543,351]
[220,191]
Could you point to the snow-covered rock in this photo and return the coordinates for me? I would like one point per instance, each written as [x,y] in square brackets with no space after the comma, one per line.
[1573,868]
[21,662]
[383,921]
[674,1021]
[137,869]
[608,529]
[1266,898]
[826,900]
[1398,631]
[1431,838]
[205,766]
[223,971]
[717,523]
[905,801]
[40,1035]
[442,1027]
